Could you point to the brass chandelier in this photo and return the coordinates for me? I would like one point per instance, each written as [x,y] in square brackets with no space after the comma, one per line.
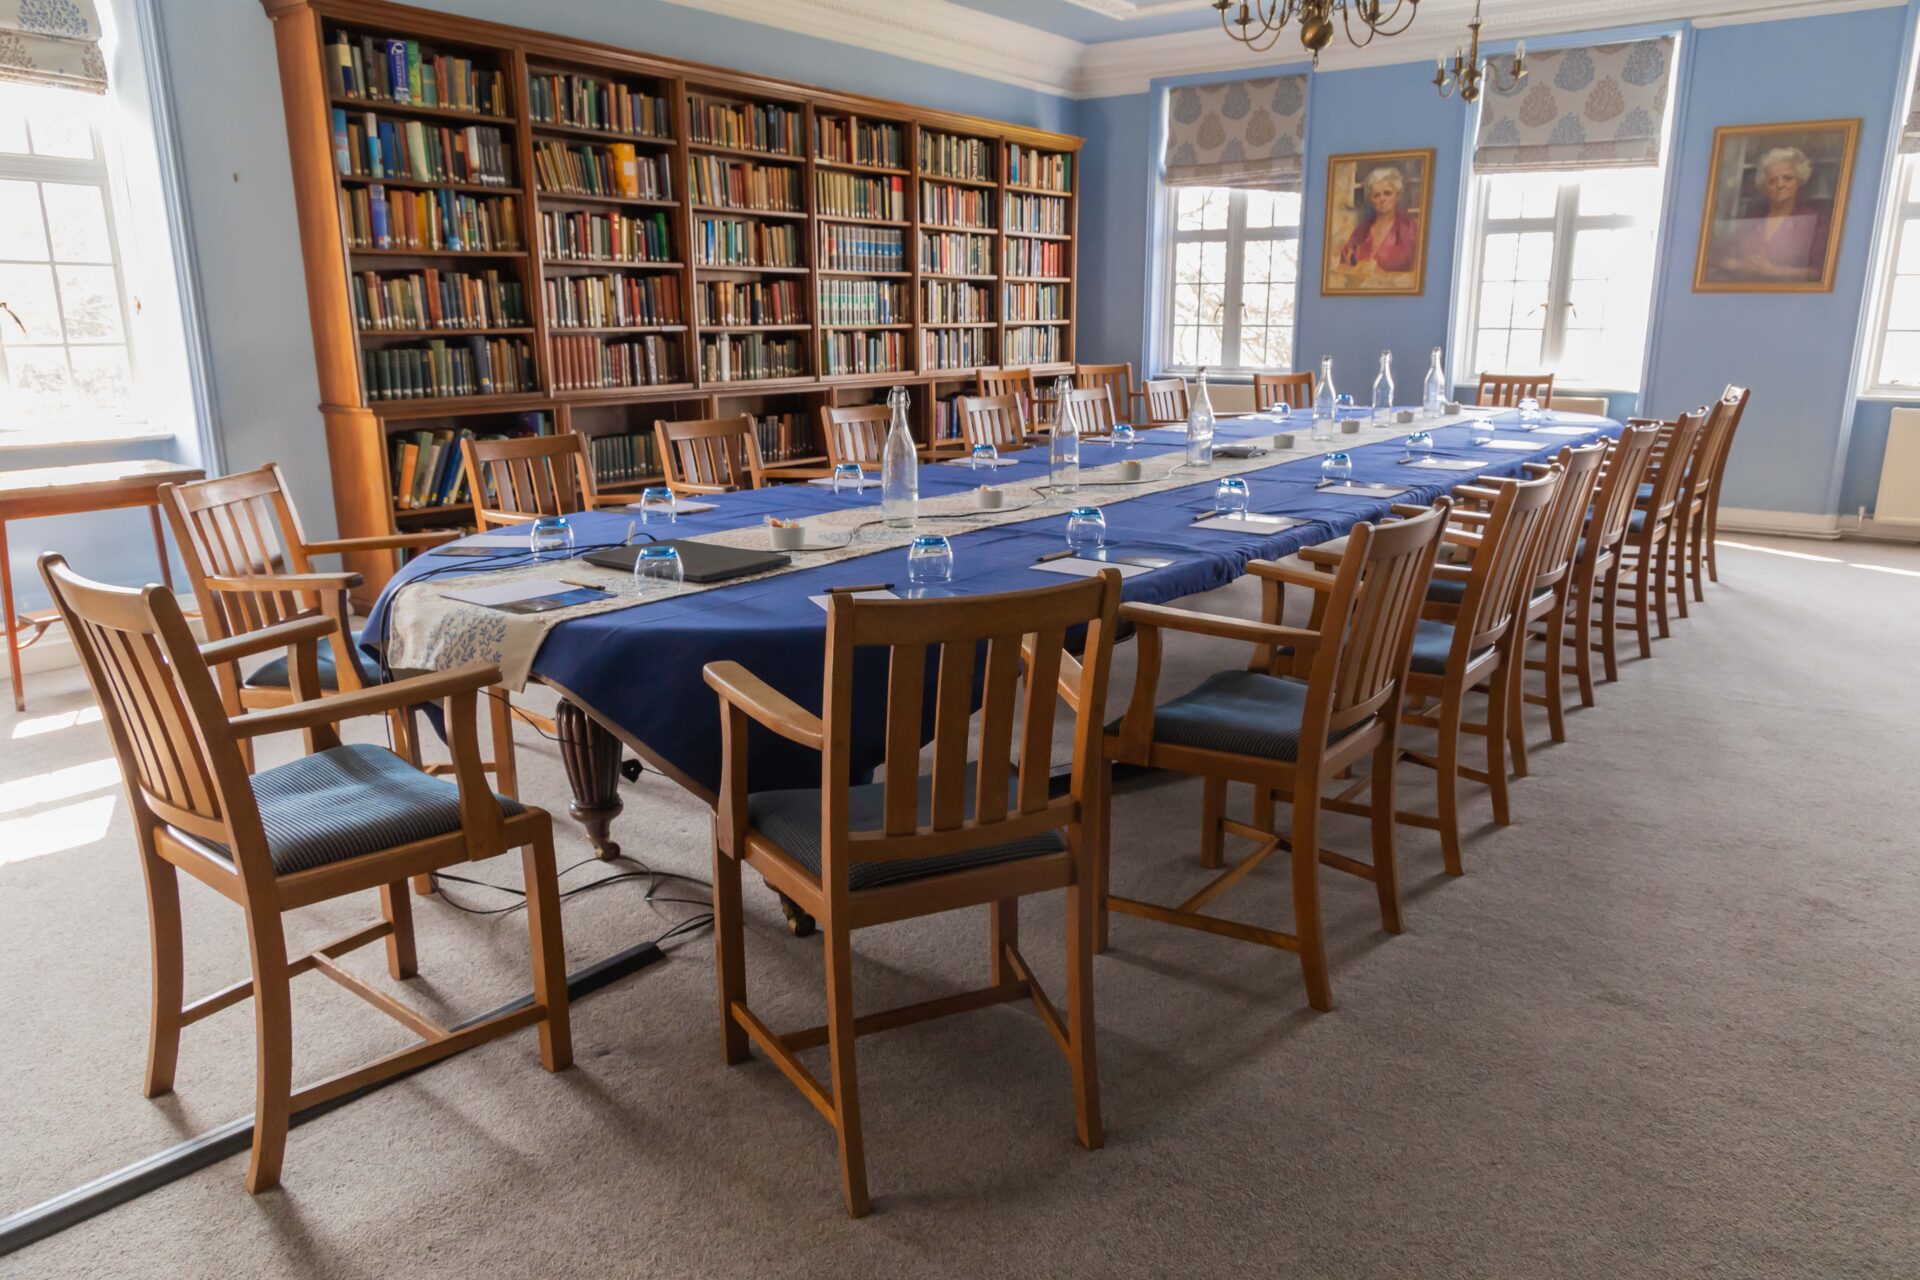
[1258,24]
[1470,69]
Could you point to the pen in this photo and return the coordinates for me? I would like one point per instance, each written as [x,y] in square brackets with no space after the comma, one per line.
[585,586]
[1056,555]
[848,591]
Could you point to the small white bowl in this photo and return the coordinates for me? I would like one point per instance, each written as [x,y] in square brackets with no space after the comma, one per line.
[1283,440]
[1131,470]
[989,498]
[787,537]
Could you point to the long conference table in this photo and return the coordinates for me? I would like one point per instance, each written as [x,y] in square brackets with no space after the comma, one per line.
[633,676]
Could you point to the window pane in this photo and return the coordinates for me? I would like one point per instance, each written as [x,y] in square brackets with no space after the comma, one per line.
[1523,351]
[1502,256]
[28,293]
[91,300]
[1900,362]
[1535,257]
[1272,209]
[1496,304]
[38,376]
[13,131]
[1258,268]
[60,134]
[102,377]
[1607,192]
[1490,352]
[77,217]
[1202,208]
[1286,260]
[1908,261]
[22,234]
[1522,195]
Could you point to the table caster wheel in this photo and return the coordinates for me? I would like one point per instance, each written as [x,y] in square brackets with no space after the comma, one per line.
[799,923]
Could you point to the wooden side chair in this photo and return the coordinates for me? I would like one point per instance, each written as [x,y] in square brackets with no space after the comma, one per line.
[993,420]
[1309,705]
[1090,410]
[855,433]
[712,455]
[1166,400]
[1641,587]
[1292,390]
[1118,380]
[516,480]
[1596,557]
[1508,389]
[1699,509]
[1019,384]
[1717,468]
[969,835]
[344,820]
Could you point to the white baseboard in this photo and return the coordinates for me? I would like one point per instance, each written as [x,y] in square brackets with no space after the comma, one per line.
[1791,524]
[1872,530]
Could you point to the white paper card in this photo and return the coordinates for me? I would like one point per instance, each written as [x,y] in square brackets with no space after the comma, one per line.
[520,541]
[1075,567]
[1363,490]
[1517,446]
[1565,431]
[966,462]
[858,595]
[1253,522]
[512,592]
[826,482]
[1447,464]
[681,506]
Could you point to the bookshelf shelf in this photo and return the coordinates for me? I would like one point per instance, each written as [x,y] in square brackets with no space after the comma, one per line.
[595,113]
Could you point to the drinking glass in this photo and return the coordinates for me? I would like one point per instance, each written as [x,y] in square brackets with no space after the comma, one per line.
[551,538]
[657,570]
[1529,412]
[1123,436]
[658,504]
[847,478]
[1419,446]
[1230,497]
[1336,468]
[985,455]
[1480,432]
[929,560]
[1086,531]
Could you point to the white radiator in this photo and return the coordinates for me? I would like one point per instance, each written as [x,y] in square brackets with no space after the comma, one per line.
[1899,500]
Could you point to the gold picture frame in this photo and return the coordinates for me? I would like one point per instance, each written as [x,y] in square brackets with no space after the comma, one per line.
[1357,262]
[1776,207]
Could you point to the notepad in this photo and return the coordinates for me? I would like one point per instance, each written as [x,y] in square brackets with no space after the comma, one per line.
[866,482]
[1253,522]
[1518,446]
[1128,566]
[681,507]
[529,595]
[1567,431]
[969,462]
[1442,464]
[1361,489]
[881,594]
[520,541]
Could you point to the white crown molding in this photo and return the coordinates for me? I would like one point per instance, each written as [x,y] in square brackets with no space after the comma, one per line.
[943,34]
[1126,10]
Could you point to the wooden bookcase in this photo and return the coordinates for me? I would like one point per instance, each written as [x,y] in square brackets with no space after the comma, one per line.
[631,237]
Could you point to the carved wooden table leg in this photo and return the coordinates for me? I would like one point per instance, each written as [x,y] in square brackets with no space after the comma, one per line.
[591,756]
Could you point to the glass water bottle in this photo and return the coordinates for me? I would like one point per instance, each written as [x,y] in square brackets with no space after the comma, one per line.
[1383,390]
[1326,403]
[899,468]
[1433,401]
[1200,424]
[1063,445]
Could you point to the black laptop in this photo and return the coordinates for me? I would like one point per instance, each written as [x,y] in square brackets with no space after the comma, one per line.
[699,561]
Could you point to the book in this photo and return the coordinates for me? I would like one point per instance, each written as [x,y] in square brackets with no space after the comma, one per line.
[626,168]
[397,82]
[414,85]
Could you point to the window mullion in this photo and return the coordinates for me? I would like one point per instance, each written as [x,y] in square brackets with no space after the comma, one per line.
[1236,269]
[1560,282]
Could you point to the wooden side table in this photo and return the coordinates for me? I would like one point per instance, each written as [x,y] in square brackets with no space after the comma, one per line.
[75,490]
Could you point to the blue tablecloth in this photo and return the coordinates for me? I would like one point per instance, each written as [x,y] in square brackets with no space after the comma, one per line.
[641,667]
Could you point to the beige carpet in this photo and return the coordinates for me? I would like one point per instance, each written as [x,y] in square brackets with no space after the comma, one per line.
[1665,1026]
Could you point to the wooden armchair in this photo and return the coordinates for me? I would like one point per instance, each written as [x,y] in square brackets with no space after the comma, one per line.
[1595,580]
[517,480]
[984,834]
[1090,410]
[714,455]
[1642,585]
[1293,390]
[1018,383]
[993,420]
[1699,509]
[1166,401]
[855,433]
[1118,380]
[1508,389]
[1308,706]
[344,820]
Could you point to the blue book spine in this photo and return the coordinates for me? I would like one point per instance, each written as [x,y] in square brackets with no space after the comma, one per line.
[377,215]
[342,151]
[397,70]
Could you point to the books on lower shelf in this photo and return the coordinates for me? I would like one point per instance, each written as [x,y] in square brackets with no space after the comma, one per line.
[619,459]
[745,126]
[377,69]
[611,301]
[783,436]
[855,352]
[850,141]
[952,206]
[749,357]
[744,184]
[579,236]
[738,302]
[427,467]
[369,145]
[597,169]
[1035,345]
[946,417]
[1029,167]
[474,366]
[945,155]
[839,194]
[851,301]
[956,253]
[956,348]
[845,248]
[1036,302]
[1036,257]
[586,102]
[375,218]
[737,242]
[434,299]
[588,363]
[955,302]
[1044,215]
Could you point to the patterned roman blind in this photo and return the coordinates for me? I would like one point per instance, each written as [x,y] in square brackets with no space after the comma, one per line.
[52,42]
[1589,108]
[1243,133]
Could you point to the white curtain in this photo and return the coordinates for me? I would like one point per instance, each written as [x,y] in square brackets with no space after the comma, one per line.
[52,42]
[1586,108]
[1242,133]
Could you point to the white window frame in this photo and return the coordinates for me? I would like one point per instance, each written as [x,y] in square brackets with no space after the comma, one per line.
[1565,223]
[1234,237]
[1905,215]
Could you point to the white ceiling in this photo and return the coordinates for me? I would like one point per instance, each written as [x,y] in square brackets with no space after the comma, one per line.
[1100,48]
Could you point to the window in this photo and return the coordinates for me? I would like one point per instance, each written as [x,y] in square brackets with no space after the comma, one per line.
[1563,275]
[65,353]
[1896,360]
[1234,257]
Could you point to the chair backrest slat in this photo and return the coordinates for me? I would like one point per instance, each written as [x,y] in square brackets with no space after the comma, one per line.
[996,728]
[1017,383]
[1116,378]
[1508,542]
[1090,410]
[1040,698]
[1167,400]
[1509,389]
[520,477]
[1579,476]
[906,696]
[1291,390]
[953,707]
[239,526]
[710,454]
[1619,486]
[855,433]
[993,420]
[1673,455]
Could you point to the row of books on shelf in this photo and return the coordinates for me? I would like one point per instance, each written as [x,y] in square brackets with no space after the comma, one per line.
[619,459]
[375,218]
[853,141]
[1035,346]
[749,357]
[428,466]
[583,363]
[845,248]
[956,253]
[1044,215]
[579,236]
[475,366]
[611,301]
[434,299]
[956,348]
[1036,302]
[735,242]
[1036,258]
[946,416]
[586,102]
[1029,167]
[948,156]
[839,194]
[845,301]
[956,206]
[955,302]
[737,302]
[753,126]
[592,169]
[381,70]
[842,354]
[367,146]
[742,184]
[783,437]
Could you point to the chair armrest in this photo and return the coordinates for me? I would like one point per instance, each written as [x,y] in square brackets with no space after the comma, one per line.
[280,635]
[1293,571]
[614,499]
[689,490]
[1452,572]
[1537,468]
[383,542]
[1328,554]
[1467,515]
[1461,538]
[376,700]
[740,688]
[268,582]
[1218,625]
[1475,493]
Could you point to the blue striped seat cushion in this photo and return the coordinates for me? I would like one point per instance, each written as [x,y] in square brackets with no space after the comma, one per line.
[1432,642]
[348,801]
[1245,713]
[273,675]
[791,819]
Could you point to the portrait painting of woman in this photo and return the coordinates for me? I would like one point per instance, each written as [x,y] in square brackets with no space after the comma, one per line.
[1377,223]
[1775,209]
